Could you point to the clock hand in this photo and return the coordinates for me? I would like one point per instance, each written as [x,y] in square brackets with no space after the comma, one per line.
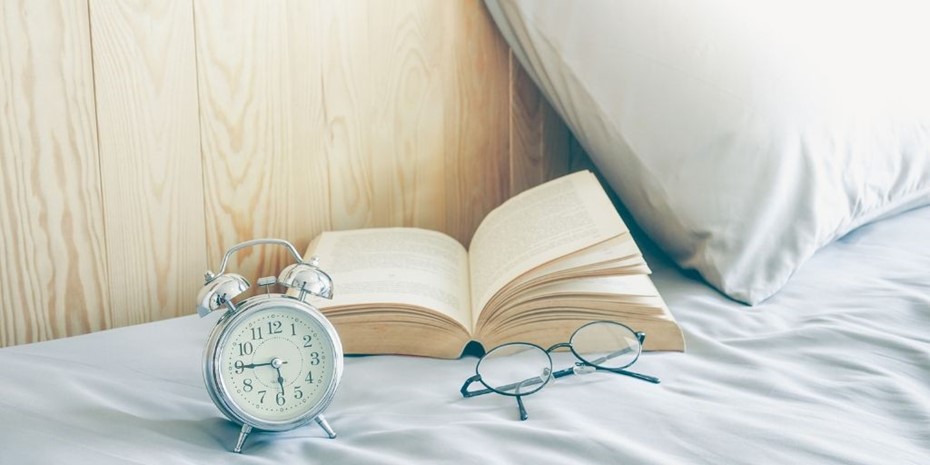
[253,365]
[280,380]
[240,365]
[276,364]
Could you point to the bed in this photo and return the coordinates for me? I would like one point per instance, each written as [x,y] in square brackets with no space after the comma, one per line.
[834,369]
[792,249]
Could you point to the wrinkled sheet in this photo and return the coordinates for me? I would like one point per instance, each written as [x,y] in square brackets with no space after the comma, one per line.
[833,369]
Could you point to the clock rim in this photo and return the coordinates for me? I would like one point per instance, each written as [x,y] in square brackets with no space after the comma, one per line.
[221,334]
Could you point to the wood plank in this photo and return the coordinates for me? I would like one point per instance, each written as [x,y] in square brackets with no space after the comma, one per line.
[150,163]
[407,42]
[417,114]
[384,105]
[265,173]
[539,139]
[476,118]
[347,100]
[53,265]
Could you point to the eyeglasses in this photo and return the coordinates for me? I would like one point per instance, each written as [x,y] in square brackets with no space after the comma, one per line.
[519,369]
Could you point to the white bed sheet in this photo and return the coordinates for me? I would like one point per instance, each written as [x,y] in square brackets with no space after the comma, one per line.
[834,369]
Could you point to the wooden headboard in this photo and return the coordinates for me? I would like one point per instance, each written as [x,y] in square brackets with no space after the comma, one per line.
[139,140]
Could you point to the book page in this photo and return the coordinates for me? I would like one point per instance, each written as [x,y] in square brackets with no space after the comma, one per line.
[536,227]
[406,266]
[615,253]
[612,288]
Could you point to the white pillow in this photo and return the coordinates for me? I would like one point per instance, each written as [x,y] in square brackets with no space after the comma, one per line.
[742,135]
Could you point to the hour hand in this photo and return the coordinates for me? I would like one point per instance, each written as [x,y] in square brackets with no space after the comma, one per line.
[276,364]
[281,380]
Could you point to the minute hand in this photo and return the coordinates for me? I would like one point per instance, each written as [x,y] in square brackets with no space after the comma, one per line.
[253,365]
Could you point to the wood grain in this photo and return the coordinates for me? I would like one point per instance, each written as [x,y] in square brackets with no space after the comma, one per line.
[476,120]
[346,76]
[540,140]
[265,173]
[409,44]
[53,265]
[222,121]
[150,167]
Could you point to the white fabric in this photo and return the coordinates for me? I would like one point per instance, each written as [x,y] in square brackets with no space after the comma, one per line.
[743,136]
[835,369]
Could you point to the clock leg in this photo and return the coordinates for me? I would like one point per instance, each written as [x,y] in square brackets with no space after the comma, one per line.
[246,429]
[323,424]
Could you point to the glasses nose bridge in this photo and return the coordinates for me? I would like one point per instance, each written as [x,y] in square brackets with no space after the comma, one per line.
[559,346]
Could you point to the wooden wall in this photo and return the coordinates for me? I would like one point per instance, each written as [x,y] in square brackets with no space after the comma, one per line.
[139,140]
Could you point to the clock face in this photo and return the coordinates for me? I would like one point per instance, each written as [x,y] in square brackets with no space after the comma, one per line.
[276,364]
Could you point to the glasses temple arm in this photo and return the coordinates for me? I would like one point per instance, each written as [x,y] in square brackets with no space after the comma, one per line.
[611,355]
[632,374]
[468,382]
[523,415]
[573,370]
[466,393]
[641,336]
[526,382]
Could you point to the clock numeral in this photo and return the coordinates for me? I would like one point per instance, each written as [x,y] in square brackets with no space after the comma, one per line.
[314,358]
[256,333]
[274,327]
[293,329]
[279,398]
[308,341]
[240,367]
[297,392]
[309,377]
[245,348]
[262,398]
[247,385]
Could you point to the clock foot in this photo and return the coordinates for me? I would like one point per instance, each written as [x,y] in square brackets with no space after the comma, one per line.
[323,424]
[246,429]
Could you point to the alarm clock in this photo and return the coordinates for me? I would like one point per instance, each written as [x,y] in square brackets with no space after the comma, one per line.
[273,361]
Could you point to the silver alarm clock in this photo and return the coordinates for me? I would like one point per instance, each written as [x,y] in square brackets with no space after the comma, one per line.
[273,361]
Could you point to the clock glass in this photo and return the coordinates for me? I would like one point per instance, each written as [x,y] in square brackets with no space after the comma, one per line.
[276,364]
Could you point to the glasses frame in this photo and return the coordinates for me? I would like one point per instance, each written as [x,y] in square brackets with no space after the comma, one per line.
[581,366]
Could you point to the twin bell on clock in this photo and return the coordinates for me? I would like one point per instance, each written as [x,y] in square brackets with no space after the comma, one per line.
[273,361]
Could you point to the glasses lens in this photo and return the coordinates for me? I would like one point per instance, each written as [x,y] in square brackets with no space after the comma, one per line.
[515,369]
[606,344]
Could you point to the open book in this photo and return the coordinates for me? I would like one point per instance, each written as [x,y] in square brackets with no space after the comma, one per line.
[540,265]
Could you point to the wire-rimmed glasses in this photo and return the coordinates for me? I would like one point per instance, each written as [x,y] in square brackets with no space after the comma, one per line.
[519,369]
